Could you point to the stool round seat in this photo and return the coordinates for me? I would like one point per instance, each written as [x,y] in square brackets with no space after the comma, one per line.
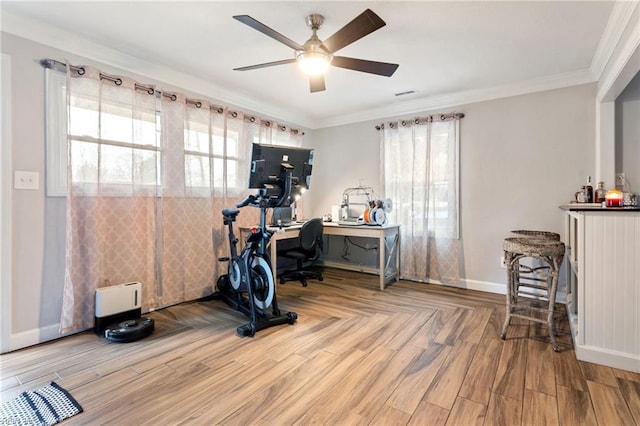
[534,247]
[525,233]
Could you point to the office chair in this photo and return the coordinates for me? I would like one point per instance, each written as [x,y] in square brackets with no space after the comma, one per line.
[309,249]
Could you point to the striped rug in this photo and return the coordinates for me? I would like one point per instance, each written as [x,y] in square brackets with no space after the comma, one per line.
[46,406]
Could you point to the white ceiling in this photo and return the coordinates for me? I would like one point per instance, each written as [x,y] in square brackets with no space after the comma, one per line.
[447,51]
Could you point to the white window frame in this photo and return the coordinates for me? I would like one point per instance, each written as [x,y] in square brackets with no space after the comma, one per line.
[211,157]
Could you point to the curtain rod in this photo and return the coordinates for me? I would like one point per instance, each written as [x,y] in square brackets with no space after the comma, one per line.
[421,120]
[62,67]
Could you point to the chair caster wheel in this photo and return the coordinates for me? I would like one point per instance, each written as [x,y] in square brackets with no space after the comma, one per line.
[292,316]
[321,279]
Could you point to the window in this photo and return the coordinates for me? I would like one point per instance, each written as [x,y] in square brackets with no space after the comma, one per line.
[421,170]
[207,164]
[126,143]
[114,146]
[111,145]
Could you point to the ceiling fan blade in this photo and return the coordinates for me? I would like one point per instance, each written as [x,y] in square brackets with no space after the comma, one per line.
[316,83]
[266,64]
[372,67]
[257,25]
[363,24]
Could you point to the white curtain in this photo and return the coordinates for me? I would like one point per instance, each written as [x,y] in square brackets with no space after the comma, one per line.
[148,175]
[420,168]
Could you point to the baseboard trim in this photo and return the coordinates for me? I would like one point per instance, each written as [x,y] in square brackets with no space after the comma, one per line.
[488,287]
[36,336]
[485,286]
[611,358]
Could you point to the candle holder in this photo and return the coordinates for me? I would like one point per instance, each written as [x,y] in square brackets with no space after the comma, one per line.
[614,198]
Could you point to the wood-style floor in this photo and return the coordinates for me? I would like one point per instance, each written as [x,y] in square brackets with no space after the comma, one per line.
[413,354]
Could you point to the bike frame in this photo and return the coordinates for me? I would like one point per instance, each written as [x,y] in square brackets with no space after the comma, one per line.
[253,263]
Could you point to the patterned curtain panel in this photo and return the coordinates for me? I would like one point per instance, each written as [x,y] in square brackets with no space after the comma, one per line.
[420,175]
[148,175]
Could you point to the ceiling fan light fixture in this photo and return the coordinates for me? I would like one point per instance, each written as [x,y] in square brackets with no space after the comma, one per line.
[313,63]
[315,56]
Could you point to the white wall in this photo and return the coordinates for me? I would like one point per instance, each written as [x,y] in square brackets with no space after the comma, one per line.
[521,157]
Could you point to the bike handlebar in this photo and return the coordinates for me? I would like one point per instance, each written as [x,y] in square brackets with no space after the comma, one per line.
[251,199]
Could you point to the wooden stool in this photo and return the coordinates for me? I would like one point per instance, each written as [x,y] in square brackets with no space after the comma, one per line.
[527,286]
[526,233]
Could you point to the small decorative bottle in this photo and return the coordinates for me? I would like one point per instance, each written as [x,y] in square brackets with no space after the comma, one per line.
[588,194]
[600,193]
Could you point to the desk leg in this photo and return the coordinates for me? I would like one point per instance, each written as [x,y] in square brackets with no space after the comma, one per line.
[398,255]
[393,250]
[387,255]
[382,248]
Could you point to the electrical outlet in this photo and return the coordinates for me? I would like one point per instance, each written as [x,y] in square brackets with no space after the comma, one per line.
[620,179]
[26,180]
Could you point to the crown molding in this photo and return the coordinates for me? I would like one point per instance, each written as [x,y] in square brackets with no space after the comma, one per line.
[421,105]
[63,40]
[621,14]
[622,68]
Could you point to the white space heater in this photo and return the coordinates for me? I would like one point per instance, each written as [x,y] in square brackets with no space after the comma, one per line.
[118,313]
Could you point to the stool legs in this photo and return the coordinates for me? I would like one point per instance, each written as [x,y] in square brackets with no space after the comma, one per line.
[514,275]
[552,304]
[512,263]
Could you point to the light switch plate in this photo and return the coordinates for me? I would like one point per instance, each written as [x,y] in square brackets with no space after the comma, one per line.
[26,180]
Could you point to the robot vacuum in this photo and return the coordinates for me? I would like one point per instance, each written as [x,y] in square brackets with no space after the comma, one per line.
[129,330]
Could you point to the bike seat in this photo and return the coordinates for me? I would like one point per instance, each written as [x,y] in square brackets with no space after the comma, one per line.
[230,213]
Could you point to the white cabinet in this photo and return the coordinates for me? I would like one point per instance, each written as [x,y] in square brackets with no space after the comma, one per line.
[603,295]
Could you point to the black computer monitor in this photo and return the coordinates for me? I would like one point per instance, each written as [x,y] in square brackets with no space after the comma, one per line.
[268,161]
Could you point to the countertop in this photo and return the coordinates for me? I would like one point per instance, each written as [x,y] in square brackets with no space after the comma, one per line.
[597,207]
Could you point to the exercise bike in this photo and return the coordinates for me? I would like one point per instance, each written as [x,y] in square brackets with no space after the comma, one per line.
[249,286]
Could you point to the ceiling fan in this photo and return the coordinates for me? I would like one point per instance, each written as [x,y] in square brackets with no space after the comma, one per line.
[315,55]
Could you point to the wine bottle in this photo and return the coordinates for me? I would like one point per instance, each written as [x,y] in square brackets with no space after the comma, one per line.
[588,191]
[600,193]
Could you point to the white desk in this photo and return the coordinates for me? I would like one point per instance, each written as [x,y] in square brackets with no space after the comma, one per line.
[388,237]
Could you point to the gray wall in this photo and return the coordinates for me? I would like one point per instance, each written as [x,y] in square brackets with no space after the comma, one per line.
[521,157]
[35,298]
[628,133]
